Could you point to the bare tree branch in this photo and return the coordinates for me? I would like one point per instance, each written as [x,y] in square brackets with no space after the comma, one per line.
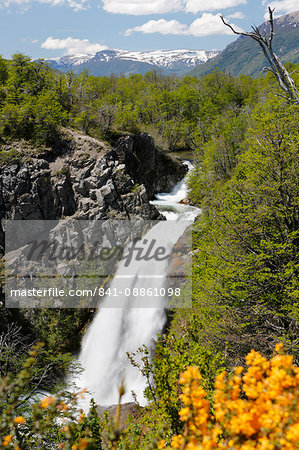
[271,20]
[267,69]
[283,77]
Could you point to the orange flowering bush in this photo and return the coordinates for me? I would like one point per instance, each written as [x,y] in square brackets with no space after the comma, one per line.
[255,407]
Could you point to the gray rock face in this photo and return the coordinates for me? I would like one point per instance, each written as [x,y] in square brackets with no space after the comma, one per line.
[88,180]
[26,192]
[156,170]
[127,409]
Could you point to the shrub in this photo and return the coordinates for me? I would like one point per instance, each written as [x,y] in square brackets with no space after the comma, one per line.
[255,407]
[27,421]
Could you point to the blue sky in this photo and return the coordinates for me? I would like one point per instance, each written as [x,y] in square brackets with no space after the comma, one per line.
[49,28]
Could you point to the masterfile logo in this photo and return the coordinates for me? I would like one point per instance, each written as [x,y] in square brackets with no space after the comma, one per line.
[83,264]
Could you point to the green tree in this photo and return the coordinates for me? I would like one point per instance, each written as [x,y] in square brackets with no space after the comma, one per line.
[248,234]
[3,70]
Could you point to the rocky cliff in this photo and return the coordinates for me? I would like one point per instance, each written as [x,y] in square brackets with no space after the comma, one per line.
[156,170]
[85,178]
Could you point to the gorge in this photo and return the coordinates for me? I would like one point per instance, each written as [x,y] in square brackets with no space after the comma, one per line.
[88,179]
[137,321]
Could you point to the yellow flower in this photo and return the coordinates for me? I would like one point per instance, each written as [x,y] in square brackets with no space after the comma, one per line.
[19,420]
[184,414]
[83,443]
[82,416]
[191,373]
[177,441]
[239,370]
[265,415]
[7,440]
[279,347]
[47,401]
[80,394]
[63,406]
[293,433]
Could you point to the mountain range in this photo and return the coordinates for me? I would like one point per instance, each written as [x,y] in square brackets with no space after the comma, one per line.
[243,56]
[125,62]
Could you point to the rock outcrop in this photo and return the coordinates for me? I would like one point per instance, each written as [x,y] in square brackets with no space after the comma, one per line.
[127,410]
[180,260]
[87,179]
[156,170]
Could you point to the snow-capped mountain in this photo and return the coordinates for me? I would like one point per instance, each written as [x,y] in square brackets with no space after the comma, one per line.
[125,62]
[170,58]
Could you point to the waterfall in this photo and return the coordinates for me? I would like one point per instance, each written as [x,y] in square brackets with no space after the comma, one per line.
[115,331]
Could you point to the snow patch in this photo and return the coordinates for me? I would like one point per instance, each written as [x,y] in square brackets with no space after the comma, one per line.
[160,58]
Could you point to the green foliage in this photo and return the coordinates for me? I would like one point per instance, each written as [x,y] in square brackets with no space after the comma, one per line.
[35,118]
[9,156]
[60,330]
[47,115]
[247,236]
[3,79]
[92,426]
[3,70]
[173,353]
[245,267]
[36,100]
[245,243]
[31,109]
[27,422]
[136,188]
[181,113]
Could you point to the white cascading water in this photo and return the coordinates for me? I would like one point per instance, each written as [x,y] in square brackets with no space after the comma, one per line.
[116,331]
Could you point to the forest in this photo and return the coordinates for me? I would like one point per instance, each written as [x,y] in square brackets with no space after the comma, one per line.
[242,329]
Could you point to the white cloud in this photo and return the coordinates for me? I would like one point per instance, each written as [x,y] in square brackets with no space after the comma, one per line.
[76,5]
[140,7]
[143,7]
[281,7]
[136,7]
[206,25]
[209,24]
[194,6]
[160,26]
[236,15]
[72,46]
[31,41]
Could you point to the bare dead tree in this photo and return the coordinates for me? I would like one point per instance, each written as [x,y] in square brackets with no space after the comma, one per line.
[276,67]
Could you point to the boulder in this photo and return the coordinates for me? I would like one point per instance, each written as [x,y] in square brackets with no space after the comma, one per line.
[185,201]
[126,410]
